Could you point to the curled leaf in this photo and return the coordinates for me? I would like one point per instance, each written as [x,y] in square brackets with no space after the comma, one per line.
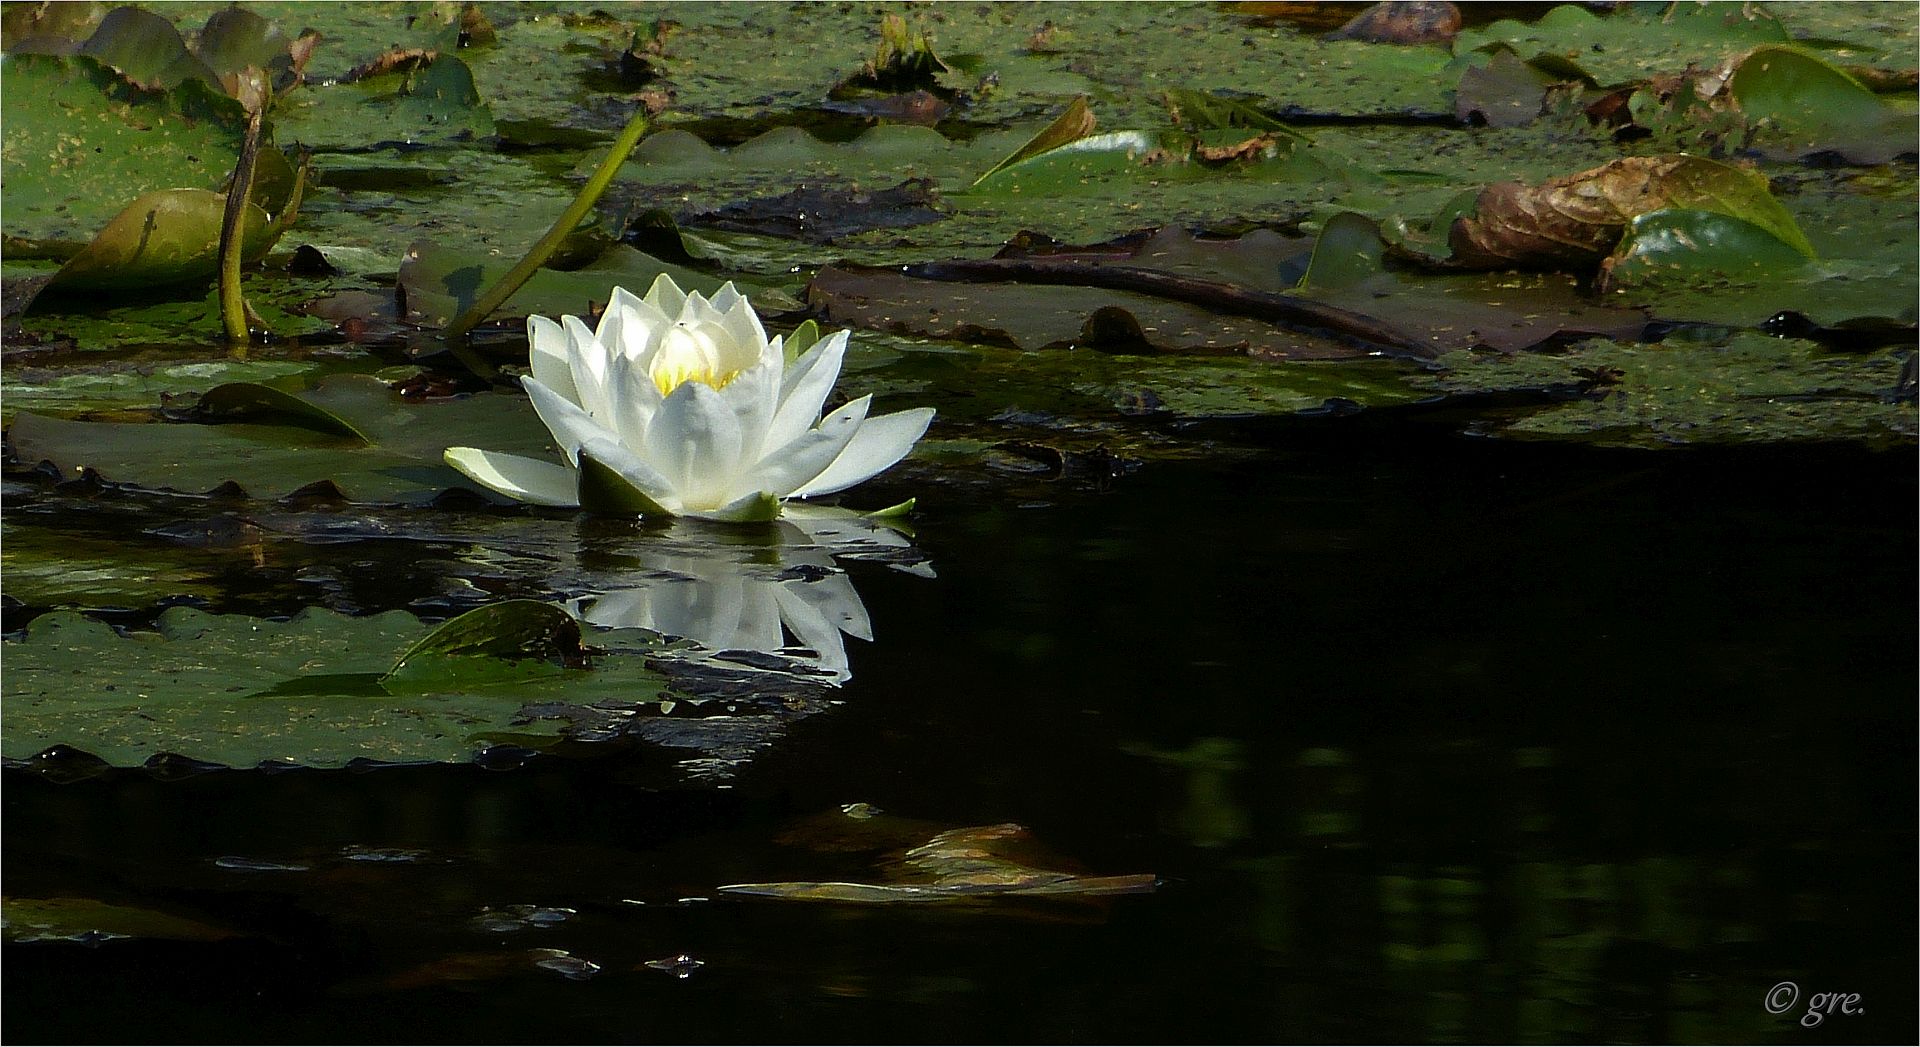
[1575,221]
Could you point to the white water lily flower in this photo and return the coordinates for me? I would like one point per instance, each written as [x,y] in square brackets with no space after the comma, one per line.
[677,404]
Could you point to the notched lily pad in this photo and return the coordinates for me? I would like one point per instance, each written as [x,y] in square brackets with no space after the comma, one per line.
[1798,104]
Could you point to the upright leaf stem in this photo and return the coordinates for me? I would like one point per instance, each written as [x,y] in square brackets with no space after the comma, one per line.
[233,239]
[564,225]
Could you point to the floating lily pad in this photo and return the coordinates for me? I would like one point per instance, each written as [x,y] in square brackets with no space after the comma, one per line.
[1749,388]
[82,142]
[402,463]
[165,237]
[1684,243]
[91,921]
[314,691]
[1799,104]
[1632,40]
[1167,294]
[435,106]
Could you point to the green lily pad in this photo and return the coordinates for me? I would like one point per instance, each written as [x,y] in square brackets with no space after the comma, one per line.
[1750,388]
[1624,44]
[440,282]
[170,236]
[1680,243]
[1800,104]
[147,49]
[435,106]
[240,691]
[402,463]
[88,920]
[81,142]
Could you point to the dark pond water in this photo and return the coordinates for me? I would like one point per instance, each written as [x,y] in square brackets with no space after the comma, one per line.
[1427,739]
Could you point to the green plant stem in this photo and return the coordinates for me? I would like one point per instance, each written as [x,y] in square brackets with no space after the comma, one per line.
[564,225]
[233,240]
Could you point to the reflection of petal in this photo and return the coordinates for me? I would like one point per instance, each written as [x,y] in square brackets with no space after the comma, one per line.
[621,609]
[835,600]
[814,628]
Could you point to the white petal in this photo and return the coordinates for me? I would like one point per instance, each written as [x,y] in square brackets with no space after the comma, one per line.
[738,317]
[804,389]
[547,344]
[879,444]
[695,443]
[612,330]
[522,479]
[807,456]
[759,506]
[666,296]
[633,399]
[634,470]
[566,420]
[641,330]
[753,395]
[589,362]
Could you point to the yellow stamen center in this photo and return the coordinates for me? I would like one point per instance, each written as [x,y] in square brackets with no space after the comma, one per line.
[689,352]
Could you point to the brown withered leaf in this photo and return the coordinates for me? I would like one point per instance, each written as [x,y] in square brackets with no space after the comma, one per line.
[1243,150]
[398,60]
[974,862]
[1402,22]
[1575,221]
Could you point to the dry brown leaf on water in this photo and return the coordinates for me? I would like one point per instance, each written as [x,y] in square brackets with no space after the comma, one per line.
[398,60]
[972,862]
[1575,221]
[1402,22]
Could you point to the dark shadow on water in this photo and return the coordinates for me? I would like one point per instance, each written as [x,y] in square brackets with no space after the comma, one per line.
[1430,740]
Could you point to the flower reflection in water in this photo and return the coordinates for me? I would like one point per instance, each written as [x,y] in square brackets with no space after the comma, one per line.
[739,598]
